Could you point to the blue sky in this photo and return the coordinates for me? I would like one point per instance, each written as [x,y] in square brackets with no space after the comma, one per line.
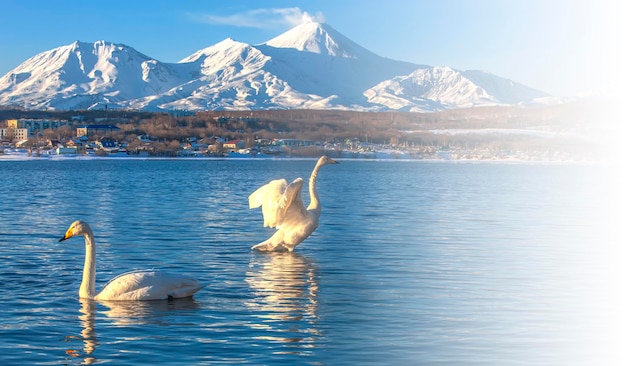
[558,46]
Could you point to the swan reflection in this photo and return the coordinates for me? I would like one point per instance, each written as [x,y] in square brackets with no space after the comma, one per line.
[144,312]
[121,313]
[87,335]
[284,298]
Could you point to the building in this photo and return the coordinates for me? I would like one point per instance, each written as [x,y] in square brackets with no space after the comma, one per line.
[293,142]
[36,124]
[14,134]
[234,145]
[91,130]
[107,143]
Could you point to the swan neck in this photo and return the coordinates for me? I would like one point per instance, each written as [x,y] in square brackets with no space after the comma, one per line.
[88,285]
[315,202]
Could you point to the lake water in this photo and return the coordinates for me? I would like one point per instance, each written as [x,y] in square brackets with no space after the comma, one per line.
[432,263]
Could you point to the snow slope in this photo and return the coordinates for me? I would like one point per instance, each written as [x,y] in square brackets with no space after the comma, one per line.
[310,66]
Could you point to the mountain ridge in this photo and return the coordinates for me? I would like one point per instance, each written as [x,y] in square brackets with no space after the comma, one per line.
[311,66]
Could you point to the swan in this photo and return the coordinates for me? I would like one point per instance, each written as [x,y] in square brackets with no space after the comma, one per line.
[284,210]
[135,285]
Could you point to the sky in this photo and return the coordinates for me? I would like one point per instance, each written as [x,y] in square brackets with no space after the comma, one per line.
[561,47]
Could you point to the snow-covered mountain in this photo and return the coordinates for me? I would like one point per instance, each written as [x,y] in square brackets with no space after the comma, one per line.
[321,39]
[310,66]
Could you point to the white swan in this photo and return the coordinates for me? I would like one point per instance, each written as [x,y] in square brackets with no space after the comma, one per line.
[136,285]
[283,209]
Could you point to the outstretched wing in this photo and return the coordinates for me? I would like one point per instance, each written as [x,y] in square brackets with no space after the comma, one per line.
[276,198]
[268,197]
[291,206]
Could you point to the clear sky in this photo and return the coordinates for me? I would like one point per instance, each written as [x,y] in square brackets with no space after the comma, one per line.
[562,47]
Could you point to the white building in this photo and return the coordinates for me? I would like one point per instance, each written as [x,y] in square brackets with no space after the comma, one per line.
[14,134]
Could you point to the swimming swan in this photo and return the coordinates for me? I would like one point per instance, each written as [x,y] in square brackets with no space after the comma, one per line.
[283,209]
[135,285]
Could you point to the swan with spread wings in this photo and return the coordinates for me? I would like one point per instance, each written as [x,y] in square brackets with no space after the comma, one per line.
[284,210]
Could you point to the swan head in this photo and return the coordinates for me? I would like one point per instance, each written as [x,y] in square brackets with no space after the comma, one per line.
[326,160]
[78,227]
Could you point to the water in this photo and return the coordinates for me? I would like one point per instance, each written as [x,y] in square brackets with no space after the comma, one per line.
[413,263]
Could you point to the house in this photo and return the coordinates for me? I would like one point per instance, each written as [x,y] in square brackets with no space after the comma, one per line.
[65,150]
[293,142]
[214,140]
[74,142]
[144,138]
[54,143]
[90,130]
[107,144]
[234,145]
[196,146]
[193,148]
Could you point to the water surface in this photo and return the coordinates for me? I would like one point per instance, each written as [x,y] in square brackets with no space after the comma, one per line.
[413,263]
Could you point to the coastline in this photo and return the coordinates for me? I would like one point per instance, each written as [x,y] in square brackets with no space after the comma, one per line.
[395,156]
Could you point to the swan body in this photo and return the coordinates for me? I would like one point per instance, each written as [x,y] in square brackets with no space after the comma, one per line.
[283,209]
[135,285]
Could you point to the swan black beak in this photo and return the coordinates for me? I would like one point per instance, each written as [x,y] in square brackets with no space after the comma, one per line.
[63,238]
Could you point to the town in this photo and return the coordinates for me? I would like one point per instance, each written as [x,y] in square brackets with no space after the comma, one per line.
[474,134]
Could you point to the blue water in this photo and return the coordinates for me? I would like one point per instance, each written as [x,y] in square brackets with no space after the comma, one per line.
[413,263]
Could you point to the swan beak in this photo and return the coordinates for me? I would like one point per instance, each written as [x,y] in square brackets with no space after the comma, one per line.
[331,161]
[68,234]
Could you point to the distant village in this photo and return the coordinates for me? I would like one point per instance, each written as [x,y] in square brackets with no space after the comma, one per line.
[340,134]
[42,137]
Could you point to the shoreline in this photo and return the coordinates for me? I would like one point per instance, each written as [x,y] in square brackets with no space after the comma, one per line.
[345,156]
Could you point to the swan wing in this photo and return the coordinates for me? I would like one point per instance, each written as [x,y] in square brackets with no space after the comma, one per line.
[291,206]
[269,198]
[148,285]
